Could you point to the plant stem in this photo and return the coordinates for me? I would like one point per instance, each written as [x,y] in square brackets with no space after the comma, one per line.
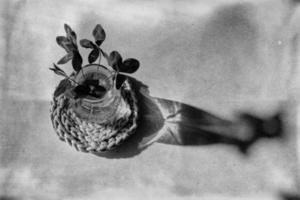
[83,74]
[70,79]
[115,78]
[100,56]
[104,54]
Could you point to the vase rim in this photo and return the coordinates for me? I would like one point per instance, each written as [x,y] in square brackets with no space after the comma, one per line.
[94,64]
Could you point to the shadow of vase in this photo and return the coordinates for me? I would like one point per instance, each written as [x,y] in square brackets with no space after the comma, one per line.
[174,123]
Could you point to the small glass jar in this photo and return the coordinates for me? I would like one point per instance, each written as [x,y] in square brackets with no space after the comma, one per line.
[99,110]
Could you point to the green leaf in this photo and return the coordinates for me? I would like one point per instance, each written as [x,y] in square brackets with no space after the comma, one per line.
[115,60]
[99,34]
[77,61]
[87,44]
[120,80]
[65,43]
[93,55]
[71,35]
[65,59]
[130,66]
[58,71]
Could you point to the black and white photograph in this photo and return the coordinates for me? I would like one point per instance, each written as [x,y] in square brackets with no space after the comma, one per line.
[145,99]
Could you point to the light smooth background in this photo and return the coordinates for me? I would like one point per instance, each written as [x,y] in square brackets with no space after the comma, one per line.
[222,56]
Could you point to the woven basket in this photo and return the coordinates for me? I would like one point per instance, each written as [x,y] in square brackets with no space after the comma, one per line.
[87,136]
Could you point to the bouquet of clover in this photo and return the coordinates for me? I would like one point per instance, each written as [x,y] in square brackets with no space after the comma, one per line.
[94,109]
[114,59]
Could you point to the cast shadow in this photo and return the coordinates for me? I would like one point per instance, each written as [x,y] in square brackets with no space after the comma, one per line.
[176,123]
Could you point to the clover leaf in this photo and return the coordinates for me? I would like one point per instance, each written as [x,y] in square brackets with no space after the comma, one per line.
[81,91]
[87,44]
[129,66]
[65,43]
[89,88]
[66,58]
[114,59]
[77,61]
[93,56]
[71,35]
[58,71]
[99,34]
[69,43]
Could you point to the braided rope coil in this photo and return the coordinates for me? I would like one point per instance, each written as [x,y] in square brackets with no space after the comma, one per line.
[92,137]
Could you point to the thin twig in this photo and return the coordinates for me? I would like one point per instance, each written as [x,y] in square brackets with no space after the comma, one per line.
[70,79]
[100,57]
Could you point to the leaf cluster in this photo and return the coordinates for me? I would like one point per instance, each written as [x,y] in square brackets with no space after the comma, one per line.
[114,59]
[130,65]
